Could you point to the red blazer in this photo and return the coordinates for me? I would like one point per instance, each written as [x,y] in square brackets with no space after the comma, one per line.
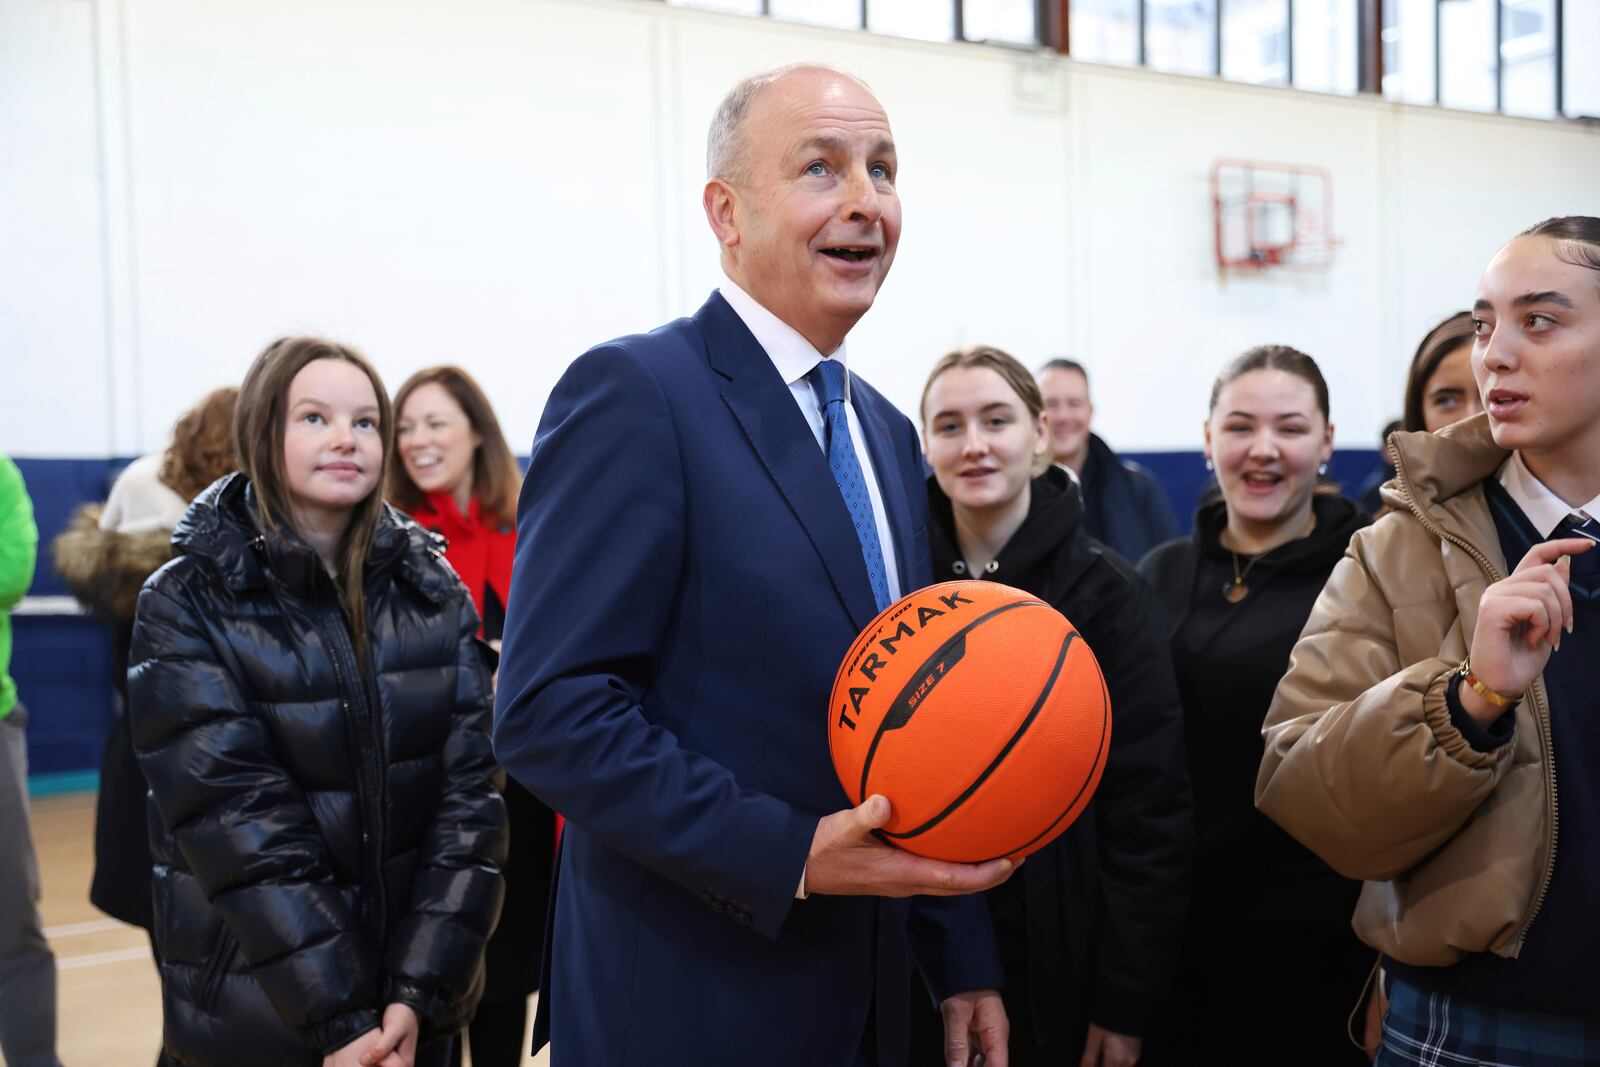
[480,551]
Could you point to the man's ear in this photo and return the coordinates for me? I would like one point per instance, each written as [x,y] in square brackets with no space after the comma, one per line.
[721,204]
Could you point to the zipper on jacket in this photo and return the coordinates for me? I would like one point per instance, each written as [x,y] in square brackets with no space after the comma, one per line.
[1541,710]
[371,760]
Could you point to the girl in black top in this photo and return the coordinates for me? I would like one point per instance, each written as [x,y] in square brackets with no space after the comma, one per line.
[1089,930]
[1271,969]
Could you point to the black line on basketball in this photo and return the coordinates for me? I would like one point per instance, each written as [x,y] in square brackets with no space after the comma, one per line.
[900,711]
[1105,720]
[1033,713]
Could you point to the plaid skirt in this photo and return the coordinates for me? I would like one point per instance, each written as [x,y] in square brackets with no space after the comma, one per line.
[1435,1030]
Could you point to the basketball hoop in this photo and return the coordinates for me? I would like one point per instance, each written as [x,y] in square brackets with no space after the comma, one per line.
[1270,215]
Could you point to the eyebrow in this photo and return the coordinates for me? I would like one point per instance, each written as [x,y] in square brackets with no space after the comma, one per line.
[1548,296]
[1253,415]
[370,409]
[834,143]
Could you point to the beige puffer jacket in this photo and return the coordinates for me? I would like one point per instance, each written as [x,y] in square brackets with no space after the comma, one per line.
[1363,764]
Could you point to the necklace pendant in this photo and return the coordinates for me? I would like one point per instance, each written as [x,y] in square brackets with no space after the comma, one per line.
[1233,592]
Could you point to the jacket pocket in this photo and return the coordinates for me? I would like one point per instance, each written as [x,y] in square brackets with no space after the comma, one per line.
[216,968]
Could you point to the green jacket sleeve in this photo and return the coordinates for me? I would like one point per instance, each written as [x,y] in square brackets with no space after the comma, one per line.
[19,537]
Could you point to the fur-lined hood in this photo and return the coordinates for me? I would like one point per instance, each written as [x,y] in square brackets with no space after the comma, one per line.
[103,568]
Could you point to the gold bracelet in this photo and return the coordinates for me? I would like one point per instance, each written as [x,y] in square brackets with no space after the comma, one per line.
[1504,703]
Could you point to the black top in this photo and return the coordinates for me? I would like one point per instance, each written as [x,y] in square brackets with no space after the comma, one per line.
[1090,930]
[1269,933]
[327,837]
[1229,659]
[1551,974]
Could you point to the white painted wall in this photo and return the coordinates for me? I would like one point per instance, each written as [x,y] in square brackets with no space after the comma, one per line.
[506,182]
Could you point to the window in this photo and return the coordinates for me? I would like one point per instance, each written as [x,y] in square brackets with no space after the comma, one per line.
[1466,54]
[931,20]
[1106,31]
[1255,41]
[739,7]
[1580,65]
[1181,36]
[845,13]
[1325,49]
[1408,53]
[1528,58]
[1011,21]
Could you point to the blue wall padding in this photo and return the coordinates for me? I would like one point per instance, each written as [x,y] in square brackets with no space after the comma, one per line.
[62,664]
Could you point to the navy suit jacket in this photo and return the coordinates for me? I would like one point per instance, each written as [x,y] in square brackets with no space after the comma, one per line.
[687,580]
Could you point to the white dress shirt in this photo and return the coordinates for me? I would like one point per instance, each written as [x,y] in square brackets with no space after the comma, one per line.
[1543,508]
[795,357]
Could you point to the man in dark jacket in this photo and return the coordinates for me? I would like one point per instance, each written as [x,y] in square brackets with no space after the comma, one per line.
[1124,506]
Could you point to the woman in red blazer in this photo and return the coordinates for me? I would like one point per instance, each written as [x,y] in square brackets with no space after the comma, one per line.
[458,477]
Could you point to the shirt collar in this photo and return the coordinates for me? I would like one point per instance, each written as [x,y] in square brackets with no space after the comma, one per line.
[1542,507]
[790,352]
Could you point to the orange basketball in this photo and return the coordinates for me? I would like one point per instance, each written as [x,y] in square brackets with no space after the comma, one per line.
[979,712]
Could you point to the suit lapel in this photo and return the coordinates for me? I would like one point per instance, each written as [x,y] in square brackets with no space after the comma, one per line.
[765,410]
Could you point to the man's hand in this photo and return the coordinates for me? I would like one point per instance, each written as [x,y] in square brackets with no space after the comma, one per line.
[1106,1049]
[847,859]
[976,1030]
[1520,622]
[397,1042]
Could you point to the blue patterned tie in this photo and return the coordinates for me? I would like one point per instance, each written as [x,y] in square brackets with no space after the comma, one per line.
[827,378]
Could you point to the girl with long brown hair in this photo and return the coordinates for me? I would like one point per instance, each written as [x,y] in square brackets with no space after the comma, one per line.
[310,705]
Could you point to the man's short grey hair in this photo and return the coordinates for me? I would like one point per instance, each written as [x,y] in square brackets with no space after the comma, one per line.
[726,157]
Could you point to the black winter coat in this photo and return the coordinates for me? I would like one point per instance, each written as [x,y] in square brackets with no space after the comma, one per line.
[327,837]
[1091,927]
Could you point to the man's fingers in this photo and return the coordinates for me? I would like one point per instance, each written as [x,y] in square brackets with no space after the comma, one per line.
[955,879]
[872,813]
[1549,551]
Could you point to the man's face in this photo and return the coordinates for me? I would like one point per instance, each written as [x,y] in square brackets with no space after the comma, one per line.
[1066,401]
[814,215]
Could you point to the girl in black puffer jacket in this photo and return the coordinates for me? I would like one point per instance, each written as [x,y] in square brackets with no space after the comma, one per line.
[310,705]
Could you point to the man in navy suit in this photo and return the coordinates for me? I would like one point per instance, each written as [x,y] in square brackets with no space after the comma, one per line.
[713,512]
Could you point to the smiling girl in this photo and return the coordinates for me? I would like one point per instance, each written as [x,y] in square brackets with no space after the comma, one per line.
[310,705]
[1090,927]
[1454,653]
[1270,968]
[457,477]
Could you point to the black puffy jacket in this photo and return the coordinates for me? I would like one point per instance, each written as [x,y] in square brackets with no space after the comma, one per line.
[326,836]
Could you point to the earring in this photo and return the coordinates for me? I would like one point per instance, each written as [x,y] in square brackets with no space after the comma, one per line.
[1322,471]
[1210,466]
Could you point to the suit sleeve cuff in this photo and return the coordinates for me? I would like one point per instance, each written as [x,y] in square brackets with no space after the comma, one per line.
[1481,738]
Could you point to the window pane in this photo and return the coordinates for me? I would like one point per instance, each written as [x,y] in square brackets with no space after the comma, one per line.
[931,20]
[1408,51]
[1255,41]
[1466,31]
[1581,67]
[1003,20]
[1325,45]
[743,7]
[1180,36]
[823,12]
[1105,31]
[1528,57]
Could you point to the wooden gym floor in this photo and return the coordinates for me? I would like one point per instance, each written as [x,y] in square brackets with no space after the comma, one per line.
[108,999]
